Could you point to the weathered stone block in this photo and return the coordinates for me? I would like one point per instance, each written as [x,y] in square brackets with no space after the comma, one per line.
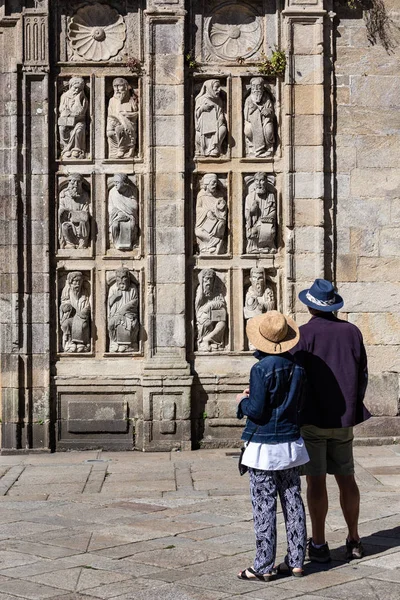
[169,70]
[306,267]
[364,242]
[170,269]
[378,269]
[355,120]
[346,159]
[306,38]
[170,330]
[168,38]
[169,131]
[308,99]
[389,242]
[343,95]
[308,130]
[170,240]
[308,69]
[363,213]
[168,100]
[346,267]
[169,159]
[170,299]
[383,358]
[308,159]
[375,90]
[308,185]
[309,239]
[378,151]
[378,328]
[306,212]
[382,396]
[371,297]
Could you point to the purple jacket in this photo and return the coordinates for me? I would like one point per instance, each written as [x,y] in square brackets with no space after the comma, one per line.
[333,355]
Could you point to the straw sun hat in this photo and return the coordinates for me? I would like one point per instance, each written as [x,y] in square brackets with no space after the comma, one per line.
[272,332]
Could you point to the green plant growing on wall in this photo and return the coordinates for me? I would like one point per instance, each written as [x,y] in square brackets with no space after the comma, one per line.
[191,61]
[380,27]
[274,66]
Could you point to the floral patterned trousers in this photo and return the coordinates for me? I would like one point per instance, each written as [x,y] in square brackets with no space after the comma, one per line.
[264,489]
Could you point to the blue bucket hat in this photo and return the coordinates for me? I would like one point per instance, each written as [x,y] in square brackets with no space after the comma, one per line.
[321,296]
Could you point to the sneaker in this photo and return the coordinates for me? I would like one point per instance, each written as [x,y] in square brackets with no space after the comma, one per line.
[354,549]
[320,555]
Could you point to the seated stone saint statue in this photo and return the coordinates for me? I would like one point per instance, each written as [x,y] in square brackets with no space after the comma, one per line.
[123,213]
[259,117]
[260,217]
[72,119]
[75,314]
[123,313]
[259,297]
[122,120]
[211,313]
[73,214]
[210,122]
[211,217]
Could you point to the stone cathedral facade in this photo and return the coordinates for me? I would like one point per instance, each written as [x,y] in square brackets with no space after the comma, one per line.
[161,185]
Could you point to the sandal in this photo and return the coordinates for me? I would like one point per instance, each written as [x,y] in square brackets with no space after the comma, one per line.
[284,569]
[249,574]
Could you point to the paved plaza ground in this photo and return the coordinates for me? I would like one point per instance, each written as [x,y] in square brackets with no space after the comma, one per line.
[175,526]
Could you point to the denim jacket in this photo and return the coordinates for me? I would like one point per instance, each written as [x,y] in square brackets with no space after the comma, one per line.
[277,385]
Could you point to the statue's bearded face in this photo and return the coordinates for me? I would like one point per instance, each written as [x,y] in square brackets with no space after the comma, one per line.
[270,296]
[258,283]
[123,282]
[216,88]
[76,284]
[121,91]
[261,185]
[211,185]
[257,90]
[208,285]
[76,87]
[75,188]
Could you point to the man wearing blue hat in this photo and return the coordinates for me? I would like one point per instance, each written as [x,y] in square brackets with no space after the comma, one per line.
[333,355]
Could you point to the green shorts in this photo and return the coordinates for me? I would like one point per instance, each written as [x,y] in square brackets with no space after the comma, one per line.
[330,450]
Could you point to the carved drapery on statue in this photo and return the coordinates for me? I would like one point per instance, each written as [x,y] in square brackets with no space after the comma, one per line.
[211,312]
[123,313]
[211,217]
[260,297]
[260,215]
[123,213]
[122,121]
[73,214]
[75,313]
[73,111]
[259,120]
[210,121]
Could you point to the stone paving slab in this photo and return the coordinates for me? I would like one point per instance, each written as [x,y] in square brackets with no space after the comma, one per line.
[175,526]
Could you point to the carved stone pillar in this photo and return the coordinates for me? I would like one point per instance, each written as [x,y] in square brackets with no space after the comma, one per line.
[166,378]
[304,104]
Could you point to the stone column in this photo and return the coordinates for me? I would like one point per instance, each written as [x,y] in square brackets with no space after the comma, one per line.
[166,379]
[304,146]
[25,345]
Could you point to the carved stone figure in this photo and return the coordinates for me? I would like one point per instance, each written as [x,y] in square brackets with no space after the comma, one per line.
[210,122]
[259,117]
[123,213]
[122,118]
[72,119]
[73,215]
[259,297]
[211,217]
[260,217]
[123,313]
[211,313]
[96,32]
[75,313]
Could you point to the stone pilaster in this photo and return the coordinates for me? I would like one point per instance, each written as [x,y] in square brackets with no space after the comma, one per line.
[166,379]
[304,145]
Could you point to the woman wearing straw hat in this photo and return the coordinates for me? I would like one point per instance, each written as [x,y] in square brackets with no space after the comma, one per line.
[274,447]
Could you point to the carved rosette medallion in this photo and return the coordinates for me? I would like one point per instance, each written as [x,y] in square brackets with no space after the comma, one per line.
[233,32]
[97,32]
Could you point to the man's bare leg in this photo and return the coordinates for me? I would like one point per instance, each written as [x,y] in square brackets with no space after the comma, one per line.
[350,503]
[317,500]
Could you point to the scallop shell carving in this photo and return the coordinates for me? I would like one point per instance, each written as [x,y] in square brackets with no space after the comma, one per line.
[97,32]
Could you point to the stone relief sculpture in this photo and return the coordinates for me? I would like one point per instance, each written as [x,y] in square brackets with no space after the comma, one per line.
[75,313]
[122,119]
[211,312]
[210,122]
[72,119]
[123,313]
[233,31]
[259,120]
[260,216]
[123,213]
[211,217]
[73,214]
[96,32]
[259,297]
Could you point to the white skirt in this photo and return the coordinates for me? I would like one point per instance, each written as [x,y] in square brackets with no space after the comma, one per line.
[275,457]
